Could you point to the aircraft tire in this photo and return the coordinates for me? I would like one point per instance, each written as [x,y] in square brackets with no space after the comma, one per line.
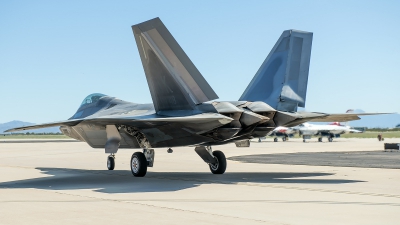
[220,166]
[284,139]
[319,139]
[138,164]
[110,162]
[275,139]
[304,140]
[330,139]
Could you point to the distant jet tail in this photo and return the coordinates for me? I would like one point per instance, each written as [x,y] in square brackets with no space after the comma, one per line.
[282,79]
[174,81]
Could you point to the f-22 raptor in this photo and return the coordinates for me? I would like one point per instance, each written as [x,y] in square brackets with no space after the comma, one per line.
[183,113]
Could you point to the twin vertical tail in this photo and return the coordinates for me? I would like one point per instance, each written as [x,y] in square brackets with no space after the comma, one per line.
[174,81]
[282,79]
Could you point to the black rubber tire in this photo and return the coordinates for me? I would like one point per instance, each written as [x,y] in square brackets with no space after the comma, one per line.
[110,163]
[330,139]
[319,139]
[304,140]
[284,139]
[141,164]
[220,156]
[275,139]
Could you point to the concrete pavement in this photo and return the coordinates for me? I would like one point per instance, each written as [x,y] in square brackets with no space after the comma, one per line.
[68,183]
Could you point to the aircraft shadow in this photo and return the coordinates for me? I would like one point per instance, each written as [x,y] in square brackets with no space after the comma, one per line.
[123,182]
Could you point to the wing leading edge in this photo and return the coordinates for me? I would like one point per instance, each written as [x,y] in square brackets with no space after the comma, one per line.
[143,121]
[45,125]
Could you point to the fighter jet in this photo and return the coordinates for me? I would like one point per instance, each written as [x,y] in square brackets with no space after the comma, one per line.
[284,132]
[329,130]
[183,113]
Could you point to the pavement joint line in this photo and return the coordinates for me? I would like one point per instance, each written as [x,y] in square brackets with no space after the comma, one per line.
[151,205]
[204,181]
[205,201]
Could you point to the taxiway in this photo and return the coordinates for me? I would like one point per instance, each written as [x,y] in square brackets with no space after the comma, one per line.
[68,183]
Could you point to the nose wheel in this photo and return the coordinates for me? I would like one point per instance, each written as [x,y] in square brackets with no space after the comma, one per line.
[111,162]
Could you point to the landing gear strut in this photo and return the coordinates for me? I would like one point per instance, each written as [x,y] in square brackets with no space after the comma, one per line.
[215,159]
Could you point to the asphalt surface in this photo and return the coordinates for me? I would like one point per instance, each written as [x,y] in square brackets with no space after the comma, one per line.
[364,159]
[68,183]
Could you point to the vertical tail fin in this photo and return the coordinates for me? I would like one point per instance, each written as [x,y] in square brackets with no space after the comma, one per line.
[174,81]
[282,79]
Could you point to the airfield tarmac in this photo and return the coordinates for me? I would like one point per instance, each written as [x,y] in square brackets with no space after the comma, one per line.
[68,183]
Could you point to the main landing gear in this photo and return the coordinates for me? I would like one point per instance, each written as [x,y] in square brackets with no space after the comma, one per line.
[140,161]
[216,160]
[138,164]
[111,162]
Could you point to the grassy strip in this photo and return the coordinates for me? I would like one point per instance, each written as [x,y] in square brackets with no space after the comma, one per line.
[34,136]
[373,134]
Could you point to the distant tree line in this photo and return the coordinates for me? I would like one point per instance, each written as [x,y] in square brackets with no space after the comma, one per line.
[377,129]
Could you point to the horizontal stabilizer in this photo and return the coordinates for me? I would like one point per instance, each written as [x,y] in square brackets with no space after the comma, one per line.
[174,81]
[282,79]
[45,125]
[344,117]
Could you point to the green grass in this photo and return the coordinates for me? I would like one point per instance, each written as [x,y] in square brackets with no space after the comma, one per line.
[34,136]
[373,134]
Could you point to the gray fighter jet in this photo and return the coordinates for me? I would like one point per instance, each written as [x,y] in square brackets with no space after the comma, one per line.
[182,113]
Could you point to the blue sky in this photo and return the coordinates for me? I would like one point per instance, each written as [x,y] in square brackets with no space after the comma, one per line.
[53,54]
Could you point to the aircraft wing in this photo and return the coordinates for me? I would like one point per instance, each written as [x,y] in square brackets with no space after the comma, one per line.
[44,125]
[154,119]
[196,123]
[342,117]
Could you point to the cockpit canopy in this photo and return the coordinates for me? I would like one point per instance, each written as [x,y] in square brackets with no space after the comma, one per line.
[93,98]
[92,104]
